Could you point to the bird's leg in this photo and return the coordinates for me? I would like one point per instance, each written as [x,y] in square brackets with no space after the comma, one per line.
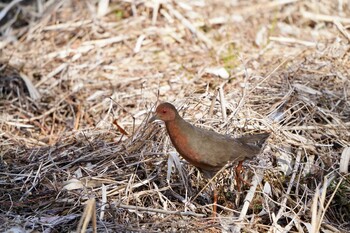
[215,200]
[238,177]
[239,169]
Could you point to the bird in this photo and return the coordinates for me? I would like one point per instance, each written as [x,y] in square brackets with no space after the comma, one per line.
[208,150]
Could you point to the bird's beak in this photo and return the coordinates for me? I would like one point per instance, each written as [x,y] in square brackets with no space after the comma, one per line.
[153,118]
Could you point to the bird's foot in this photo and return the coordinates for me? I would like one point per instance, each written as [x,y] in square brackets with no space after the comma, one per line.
[239,180]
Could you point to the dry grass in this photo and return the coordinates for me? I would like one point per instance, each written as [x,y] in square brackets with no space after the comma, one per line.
[78,82]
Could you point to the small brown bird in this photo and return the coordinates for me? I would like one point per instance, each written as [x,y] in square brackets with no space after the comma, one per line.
[208,150]
[205,149]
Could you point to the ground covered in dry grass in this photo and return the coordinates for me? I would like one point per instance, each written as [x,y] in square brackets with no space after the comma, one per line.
[79,79]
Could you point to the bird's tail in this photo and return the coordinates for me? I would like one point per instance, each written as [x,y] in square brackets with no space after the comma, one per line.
[257,140]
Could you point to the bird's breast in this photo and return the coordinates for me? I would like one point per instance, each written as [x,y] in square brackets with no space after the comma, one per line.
[180,140]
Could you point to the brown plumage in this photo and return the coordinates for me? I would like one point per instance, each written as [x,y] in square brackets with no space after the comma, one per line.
[207,150]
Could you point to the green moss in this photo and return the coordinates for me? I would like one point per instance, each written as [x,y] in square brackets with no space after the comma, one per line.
[273,25]
[230,57]
[119,14]
[258,208]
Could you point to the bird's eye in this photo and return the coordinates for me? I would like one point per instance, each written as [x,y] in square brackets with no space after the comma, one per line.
[163,111]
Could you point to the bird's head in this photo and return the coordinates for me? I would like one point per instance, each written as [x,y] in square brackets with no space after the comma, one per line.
[165,112]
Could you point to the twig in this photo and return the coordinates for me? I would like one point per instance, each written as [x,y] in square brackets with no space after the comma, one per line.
[88,214]
[189,25]
[35,182]
[146,209]
[326,18]
[222,101]
[266,6]
[344,160]
[212,105]
[342,29]
[155,11]
[284,201]
[257,178]
[293,41]
[6,9]
[245,90]
[270,74]
[320,198]
[313,127]
[209,182]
